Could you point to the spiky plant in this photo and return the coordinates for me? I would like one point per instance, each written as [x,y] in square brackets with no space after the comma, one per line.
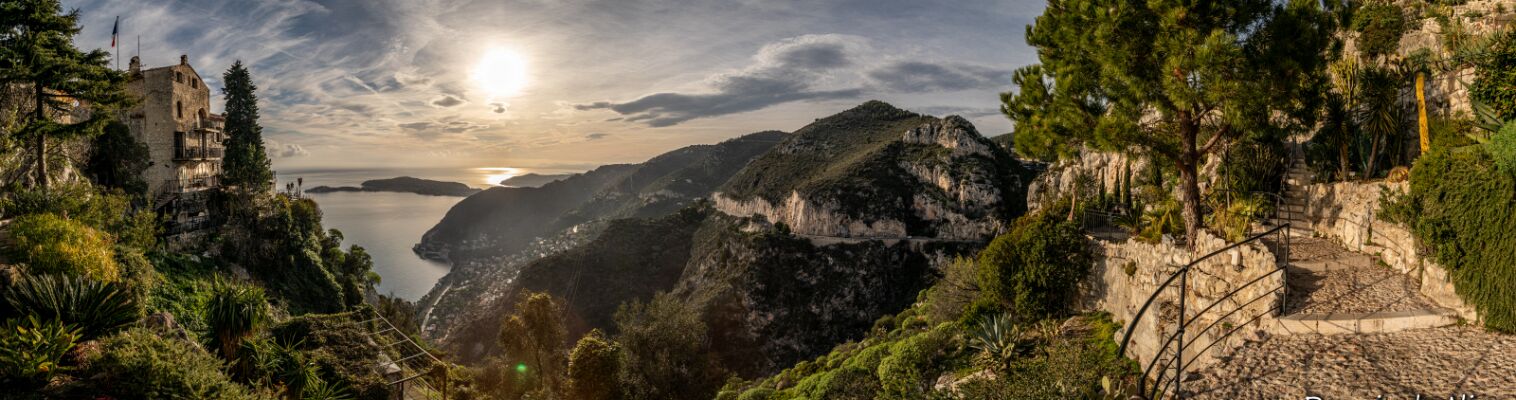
[96,308]
[997,340]
[323,390]
[234,312]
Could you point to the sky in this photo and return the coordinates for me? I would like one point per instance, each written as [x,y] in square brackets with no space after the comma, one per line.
[567,85]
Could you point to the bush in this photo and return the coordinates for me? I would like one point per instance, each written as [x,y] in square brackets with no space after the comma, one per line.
[234,312]
[96,308]
[1035,269]
[138,364]
[1380,26]
[111,212]
[50,244]
[31,350]
[1460,207]
[665,351]
[907,372]
[593,367]
[1495,84]
[1502,147]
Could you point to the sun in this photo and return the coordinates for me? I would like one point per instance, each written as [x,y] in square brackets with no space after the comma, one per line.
[501,72]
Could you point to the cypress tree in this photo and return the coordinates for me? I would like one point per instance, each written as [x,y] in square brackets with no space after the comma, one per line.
[37,54]
[246,163]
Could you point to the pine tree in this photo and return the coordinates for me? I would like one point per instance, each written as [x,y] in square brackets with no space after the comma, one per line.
[1173,79]
[246,163]
[37,53]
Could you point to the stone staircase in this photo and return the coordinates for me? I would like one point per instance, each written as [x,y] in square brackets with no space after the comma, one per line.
[1293,202]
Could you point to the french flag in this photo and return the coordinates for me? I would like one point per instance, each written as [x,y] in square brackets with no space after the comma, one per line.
[115,29]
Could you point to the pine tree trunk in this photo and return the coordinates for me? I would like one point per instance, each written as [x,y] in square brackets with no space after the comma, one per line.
[1189,179]
[41,140]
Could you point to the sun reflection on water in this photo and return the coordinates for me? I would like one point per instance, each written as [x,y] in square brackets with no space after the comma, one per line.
[492,176]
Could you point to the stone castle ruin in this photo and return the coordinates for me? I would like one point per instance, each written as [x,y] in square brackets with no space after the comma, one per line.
[172,117]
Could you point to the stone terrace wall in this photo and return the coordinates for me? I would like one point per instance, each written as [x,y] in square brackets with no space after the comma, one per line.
[1346,212]
[1111,289]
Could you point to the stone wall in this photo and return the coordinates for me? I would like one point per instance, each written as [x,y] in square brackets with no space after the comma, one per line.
[1346,212]
[1127,272]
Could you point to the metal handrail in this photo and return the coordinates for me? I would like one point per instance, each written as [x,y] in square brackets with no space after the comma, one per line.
[1182,275]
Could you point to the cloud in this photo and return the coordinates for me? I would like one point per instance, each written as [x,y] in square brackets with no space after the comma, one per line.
[597,136]
[917,77]
[446,100]
[497,107]
[966,112]
[277,149]
[783,72]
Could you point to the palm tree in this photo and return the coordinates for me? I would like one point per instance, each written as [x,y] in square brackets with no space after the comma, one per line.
[233,313]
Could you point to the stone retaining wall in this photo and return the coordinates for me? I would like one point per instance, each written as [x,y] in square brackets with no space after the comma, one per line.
[1346,212]
[1127,272]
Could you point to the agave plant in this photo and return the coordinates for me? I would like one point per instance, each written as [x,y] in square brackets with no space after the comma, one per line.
[997,340]
[96,308]
[233,313]
[322,390]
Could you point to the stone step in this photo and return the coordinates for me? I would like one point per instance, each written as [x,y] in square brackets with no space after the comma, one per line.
[1360,323]
[1339,262]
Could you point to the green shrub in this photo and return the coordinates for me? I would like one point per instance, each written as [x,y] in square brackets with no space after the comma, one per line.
[1380,26]
[1460,207]
[1502,147]
[50,244]
[593,367]
[31,350]
[234,312]
[1495,83]
[111,211]
[1035,269]
[139,364]
[907,372]
[96,308]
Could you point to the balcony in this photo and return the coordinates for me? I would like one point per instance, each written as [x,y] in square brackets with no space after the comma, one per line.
[192,153]
[210,124]
[189,184]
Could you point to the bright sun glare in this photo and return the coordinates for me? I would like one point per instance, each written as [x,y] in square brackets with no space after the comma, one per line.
[501,72]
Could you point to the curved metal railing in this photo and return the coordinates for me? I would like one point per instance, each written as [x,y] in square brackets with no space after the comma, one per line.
[1177,341]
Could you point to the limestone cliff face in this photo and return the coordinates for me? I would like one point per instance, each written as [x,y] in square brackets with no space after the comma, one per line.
[879,172]
[1086,173]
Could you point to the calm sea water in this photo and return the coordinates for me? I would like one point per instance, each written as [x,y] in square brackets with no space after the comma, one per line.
[388,224]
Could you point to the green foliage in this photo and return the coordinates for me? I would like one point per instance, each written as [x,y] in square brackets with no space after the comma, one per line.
[246,163]
[1502,147]
[281,242]
[1449,132]
[333,348]
[1064,366]
[1259,63]
[32,349]
[49,244]
[117,160]
[1460,207]
[593,368]
[1495,84]
[535,336]
[108,211]
[1234,219]
[234,312]
[665,351]
[1044,129]
[1035,269]
[95,308]
[997,339]
[1380,26]
[139,364]
[908,370]
[184,287]
[954,292]
[37,53]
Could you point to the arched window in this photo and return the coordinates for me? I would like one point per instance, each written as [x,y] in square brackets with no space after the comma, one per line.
[179,109]
[202,115]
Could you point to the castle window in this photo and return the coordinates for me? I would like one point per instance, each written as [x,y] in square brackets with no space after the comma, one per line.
[202,115]
[179,77]
[179,108]
[194,83]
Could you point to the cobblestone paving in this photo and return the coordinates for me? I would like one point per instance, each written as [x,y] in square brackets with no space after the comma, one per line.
[1357,290]
[1435,363]
[1364,287]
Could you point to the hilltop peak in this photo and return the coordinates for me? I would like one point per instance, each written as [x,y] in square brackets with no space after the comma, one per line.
[875,109]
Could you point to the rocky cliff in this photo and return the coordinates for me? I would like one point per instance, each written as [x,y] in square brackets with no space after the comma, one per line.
[876,171]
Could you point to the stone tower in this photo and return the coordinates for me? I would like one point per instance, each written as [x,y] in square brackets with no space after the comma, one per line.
[184,139]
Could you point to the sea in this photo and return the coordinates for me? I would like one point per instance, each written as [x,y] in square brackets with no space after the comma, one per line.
[387,224]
